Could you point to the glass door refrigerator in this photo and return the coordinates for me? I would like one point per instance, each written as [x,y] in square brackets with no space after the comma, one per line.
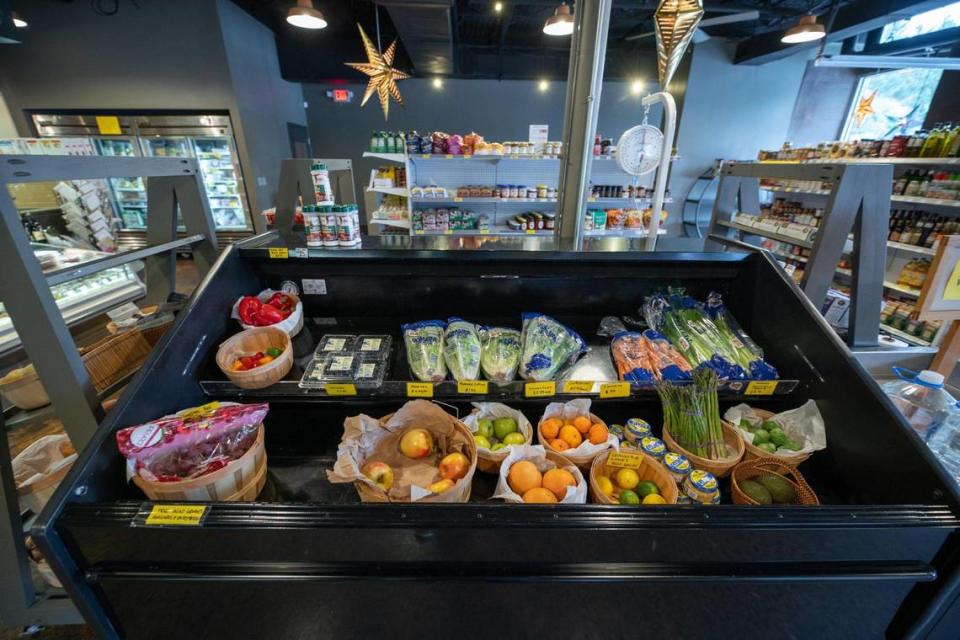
[218,166]
[129,194]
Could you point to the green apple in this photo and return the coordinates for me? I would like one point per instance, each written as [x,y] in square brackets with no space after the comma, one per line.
[503,426]
[498,446]
[514,438]
[481,441]
[485,427]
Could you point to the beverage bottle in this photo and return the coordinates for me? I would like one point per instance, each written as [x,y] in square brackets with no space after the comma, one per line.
[900,184]
[950,141]
[374,143]
[912,185]
[892,224]
[932,143]
[928,408]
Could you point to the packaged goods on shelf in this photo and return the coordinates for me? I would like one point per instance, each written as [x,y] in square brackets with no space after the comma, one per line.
[444,219]
[943,141]
[461,349]
[499,353]
[648,356]
[547,346]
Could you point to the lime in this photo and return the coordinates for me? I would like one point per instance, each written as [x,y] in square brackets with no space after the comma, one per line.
[629,497]
[654,498]
[760,436]
[647,488]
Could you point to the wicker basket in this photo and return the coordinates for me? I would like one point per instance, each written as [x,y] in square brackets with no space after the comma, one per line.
[26,392]
[752,453]
[249,342]
[369,494]
[650,469]
[488,461]
[770,466]
[114,358]
[581,461]
[556,458]
[240,480]
[719,468]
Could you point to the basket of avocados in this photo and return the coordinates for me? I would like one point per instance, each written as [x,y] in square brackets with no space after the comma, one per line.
[767,481]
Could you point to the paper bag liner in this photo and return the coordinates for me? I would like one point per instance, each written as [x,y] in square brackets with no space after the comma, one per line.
[489,461]
[544,460]
[803,423]
[365,439]
[583,454]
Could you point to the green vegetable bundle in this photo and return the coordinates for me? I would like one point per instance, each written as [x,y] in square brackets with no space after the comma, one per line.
[692,413]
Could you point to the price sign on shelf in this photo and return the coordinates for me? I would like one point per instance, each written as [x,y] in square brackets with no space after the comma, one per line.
[176,514]
[341,389]
[761,388]
[419,389]
[615,390]
[278,252]
[540,389]
[577,386]
[473,387]
[625,459]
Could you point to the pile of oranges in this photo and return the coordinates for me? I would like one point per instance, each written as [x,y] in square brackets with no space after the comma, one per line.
[562,435]
[539,488]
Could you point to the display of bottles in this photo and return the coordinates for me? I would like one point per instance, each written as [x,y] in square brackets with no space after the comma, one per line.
[914,273]
[388,142]
[920,228]
[902,315]
[942,141]
[793,212]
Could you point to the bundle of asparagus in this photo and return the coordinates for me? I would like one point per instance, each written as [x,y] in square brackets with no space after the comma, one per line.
[692,413]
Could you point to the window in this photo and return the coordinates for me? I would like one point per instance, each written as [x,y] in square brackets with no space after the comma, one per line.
[891,103]
[926,22]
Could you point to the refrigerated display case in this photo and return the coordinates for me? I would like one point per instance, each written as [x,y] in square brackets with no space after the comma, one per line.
[877,557]
[209,138]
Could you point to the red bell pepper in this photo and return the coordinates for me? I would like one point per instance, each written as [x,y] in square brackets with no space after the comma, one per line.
[249,307]
[269,314]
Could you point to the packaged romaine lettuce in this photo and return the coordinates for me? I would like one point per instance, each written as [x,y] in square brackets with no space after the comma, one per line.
[424,343]
[547,346]
[461,349]
[499,353]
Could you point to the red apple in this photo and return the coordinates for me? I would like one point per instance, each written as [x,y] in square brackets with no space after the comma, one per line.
[416,443]
[454,466]
[380,473]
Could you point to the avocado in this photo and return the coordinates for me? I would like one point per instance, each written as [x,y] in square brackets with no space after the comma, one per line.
[756,491]
[769,447]
[780,489]
[745,425]
[760,436]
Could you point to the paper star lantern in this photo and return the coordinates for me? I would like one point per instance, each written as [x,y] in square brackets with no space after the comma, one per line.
[383,77]
[674,22]
[864,108]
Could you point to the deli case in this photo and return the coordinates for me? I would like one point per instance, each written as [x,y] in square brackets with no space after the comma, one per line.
[878,557]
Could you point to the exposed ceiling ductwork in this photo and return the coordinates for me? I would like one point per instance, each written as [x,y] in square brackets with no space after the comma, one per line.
[426,29]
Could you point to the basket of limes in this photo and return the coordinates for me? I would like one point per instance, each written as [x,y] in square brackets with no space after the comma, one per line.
[641,480]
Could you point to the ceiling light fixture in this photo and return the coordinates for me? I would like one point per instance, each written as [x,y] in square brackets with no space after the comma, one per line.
[305,16]
[560,23]
[498,7]
[437,83]
[807,30]
[543,86]
[18,22]
[636,87]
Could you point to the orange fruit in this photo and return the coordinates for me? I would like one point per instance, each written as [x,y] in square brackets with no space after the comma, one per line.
[559,445]
[582,423]
[557,481]
[551,427]
[523,476]
[598,433]
[571,436]
[539,495]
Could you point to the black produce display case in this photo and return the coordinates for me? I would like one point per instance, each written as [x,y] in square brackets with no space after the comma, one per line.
[878,558]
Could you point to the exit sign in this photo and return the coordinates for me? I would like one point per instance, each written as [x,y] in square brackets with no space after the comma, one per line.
[340,95]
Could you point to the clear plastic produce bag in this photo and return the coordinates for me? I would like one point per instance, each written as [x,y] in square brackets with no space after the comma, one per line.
[547,347]
[499,353]
[424,344]
[461,349]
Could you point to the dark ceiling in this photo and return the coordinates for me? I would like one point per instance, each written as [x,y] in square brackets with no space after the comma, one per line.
[476,42]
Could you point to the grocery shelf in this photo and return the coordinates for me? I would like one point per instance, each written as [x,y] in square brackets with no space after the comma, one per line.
[628,201]
[809,192]
[767,234]
[391,157]
[903,335]
[893,286]
[404,224]
[456,200]
[486,158]
[623,233]
[899,246]
[907,161]
[933,202]
[289,390]
[393,191]
[495,231]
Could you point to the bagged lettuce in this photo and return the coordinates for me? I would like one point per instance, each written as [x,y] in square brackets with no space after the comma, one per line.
[547,346]
[424,343]
[461,349]
[499,353]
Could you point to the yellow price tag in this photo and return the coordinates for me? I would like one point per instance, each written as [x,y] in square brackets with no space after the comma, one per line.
[458,199]
[448,232]
[577,386]
[418,232]
[591,199]
[615,390]
[761,388]
[625,459]
[425,156]
[484,232]
[108,125]
[540,389]
[419,389]
[183,514]
[467,156]
[278,252]
[473,387]
[340,389]
[530,232]
[449,156]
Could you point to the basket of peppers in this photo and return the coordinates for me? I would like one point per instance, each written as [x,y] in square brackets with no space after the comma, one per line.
[270,309]
[256,358]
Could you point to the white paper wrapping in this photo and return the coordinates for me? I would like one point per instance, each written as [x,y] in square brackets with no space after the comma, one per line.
[288,324]
[567,411]
[804,425]
[493,410]
[538,456]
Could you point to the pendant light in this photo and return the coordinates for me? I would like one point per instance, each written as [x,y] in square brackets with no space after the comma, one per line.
[305,16]
[560,23]
[807,30]
[18,21]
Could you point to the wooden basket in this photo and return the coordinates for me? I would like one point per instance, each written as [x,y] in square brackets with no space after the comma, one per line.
[26,392]
[770,466]
[556,458]
[581,461]
[240,480]
[752,453]
[486,460]
[249,342]
[650,469]
[719,468]
[115,357]
[369,494]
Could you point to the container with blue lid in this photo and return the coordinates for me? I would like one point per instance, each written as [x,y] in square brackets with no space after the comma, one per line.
[617,430]
[702,487]
[677,466]
[636,429]
[653,447]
